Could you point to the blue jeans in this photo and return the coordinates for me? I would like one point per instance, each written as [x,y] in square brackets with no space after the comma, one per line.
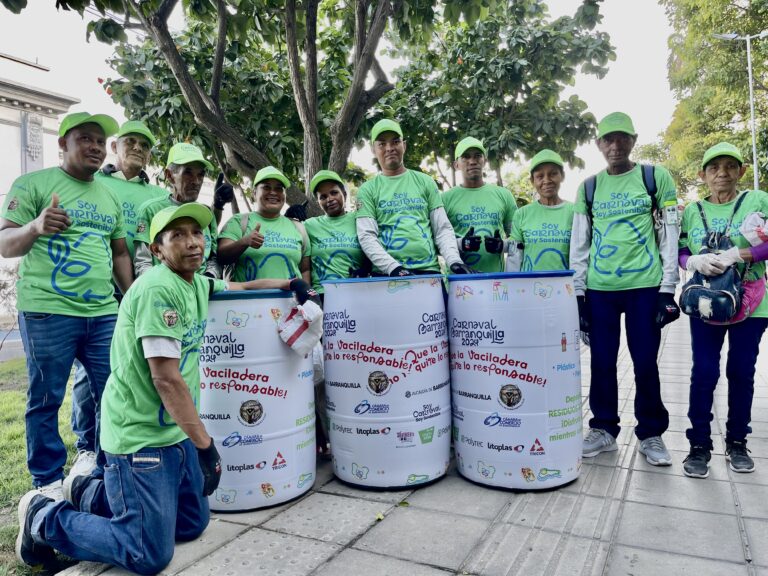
[743,348]
[83,411]
[52,342]
[643,339]
[133,517]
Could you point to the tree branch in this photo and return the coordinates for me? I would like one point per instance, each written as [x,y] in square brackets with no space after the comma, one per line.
[245,157]
[311,55]
[165,9]
[294,64]
[218,58]
[439,171]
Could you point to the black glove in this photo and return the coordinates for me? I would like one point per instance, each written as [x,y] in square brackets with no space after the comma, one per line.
[461,268]
[583,314]
[359,273]
[297,211]
[494,244]
[222,192]
[470,242]
[210,464]
[303,291]
[400,271]
[667,309]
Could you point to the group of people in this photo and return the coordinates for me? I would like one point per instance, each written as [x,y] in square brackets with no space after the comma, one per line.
[145,463]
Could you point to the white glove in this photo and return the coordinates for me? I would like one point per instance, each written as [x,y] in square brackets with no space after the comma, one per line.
[729,257]
[708,264]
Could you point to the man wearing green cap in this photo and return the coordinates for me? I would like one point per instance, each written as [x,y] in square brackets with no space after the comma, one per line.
[401,221]
[624,252]
[725,210]
[480,213]
[184,171]
[161,462]
[127,179]
[69,229]
[541,230]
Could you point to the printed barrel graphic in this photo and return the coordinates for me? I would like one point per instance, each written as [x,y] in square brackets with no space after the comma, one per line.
[516,378]
[386,380]
[256,401]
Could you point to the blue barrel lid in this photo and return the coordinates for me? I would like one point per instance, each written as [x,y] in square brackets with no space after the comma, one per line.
[511,275]
[379,279]
[251,294]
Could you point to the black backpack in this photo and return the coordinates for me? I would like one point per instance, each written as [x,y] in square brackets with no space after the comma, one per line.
[715,299]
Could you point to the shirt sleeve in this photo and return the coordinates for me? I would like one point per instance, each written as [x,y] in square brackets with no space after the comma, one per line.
[21,205]
[142,224]
[665,188]
[158,314]
[120,230]
[516,233]
[580,206]
[366,203]
[233,229]
[161,347]
[434,200]
[510,212]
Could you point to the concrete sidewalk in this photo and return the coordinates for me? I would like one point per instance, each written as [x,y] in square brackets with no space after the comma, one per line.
[621,517]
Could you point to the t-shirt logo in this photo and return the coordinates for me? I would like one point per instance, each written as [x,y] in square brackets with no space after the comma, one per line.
[13,204]
[141,227]
[170,317]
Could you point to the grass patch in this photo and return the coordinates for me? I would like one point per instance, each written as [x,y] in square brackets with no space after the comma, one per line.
[15,480]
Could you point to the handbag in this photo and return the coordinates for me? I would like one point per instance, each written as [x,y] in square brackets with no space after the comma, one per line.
[719,299]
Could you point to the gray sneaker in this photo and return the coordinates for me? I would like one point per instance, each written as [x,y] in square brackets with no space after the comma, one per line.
[655,451]
[597,441]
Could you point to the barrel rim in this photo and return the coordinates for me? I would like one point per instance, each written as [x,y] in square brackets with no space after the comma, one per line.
[379,279]
[510,275]
[250,294]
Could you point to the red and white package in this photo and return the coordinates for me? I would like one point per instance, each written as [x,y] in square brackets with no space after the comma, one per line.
[754,228]
[302,328]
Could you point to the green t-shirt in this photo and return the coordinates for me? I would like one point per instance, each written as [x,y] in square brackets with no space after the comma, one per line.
[624,254]
[692,231]
[401,206]
[151,207]
[545,232]
[280,255]
[334,247]
[131,194]
[487,209]
[160,303]
[69,272]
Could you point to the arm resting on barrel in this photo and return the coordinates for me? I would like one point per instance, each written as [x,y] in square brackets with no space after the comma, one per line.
[581,240]
[368,236]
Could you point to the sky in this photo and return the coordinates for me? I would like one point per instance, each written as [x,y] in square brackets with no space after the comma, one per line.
[636,82]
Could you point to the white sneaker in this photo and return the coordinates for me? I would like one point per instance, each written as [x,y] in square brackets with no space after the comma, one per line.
[54,490]
[597,441]
[84,464]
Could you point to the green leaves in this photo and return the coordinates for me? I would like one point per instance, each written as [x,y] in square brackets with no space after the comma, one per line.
[15,6]
[106,30]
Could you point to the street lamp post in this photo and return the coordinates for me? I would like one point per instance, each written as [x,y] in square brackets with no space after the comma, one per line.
[749,39]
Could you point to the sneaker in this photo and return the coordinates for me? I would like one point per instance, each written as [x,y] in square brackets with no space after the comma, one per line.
[73,487]
[696,464]
[84,464]
[27,550]
[597,441]
[737,454]
[54,490]
[655,452]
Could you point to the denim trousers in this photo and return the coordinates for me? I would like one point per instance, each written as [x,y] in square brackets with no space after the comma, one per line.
[52,342]
[743,348]
[643,338]
[83,411]
[133,517]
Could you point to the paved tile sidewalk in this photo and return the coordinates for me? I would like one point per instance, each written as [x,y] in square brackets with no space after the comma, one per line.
[621,517]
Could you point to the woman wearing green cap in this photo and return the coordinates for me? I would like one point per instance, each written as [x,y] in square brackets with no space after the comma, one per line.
[264,243]
[335,249]
[541,231]
[721,169]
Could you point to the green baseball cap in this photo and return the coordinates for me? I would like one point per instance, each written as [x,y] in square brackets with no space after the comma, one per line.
[270,172]
[468,143]
[385,125]
[322,176]
[616,122]
[545,156]
[107,123]
[186,153]
[202,214]
[136,127]
[721,149]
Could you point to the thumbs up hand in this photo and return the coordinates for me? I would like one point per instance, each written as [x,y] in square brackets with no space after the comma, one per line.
[470,242]
[494,244]
[255,239]
[52,219]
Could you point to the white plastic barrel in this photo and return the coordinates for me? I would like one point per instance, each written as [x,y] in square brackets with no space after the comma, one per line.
[386,380]
[516,378]
[256,401]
